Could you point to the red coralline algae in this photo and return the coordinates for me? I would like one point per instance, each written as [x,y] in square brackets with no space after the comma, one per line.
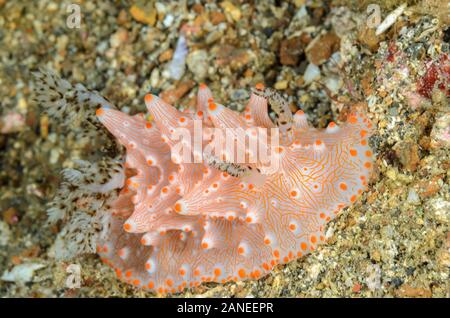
[177,224]
[437,73]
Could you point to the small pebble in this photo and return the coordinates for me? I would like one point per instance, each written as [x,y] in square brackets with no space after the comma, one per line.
[197,62]
[21,273]
[144,14]
[217,17]
[11,123]
[232,10]
[312,73]
[11,216]
[320,49]
[281,85]
[171,96]
[291,50]
[440,134]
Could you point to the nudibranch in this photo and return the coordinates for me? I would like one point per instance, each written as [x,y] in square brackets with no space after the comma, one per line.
[177,223]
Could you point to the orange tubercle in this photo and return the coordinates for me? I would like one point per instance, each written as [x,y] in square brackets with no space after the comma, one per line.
[212,106]
[148,98]
[99,112]
[260,86]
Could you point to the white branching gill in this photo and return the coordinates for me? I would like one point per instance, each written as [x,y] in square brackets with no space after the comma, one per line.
[88,189]
[82,202]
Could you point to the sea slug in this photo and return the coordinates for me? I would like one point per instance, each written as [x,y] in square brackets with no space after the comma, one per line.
[166,224]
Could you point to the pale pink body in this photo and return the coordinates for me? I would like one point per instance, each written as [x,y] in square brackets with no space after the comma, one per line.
[175,226]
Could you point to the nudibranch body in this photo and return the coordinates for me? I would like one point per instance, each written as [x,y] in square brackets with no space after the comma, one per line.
[177,224]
